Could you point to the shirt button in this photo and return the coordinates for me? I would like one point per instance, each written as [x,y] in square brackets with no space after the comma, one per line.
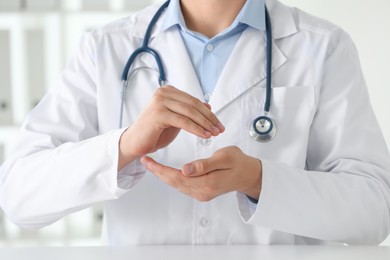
[206,142]
[205,222]
[207,97]
[210,47]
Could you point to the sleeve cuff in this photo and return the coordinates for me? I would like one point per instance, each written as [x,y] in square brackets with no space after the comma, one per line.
[246,207]
[130,175]
[249,210]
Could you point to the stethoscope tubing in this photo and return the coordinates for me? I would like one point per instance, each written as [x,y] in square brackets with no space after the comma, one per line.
[145,48]
[268,83]
[258,135]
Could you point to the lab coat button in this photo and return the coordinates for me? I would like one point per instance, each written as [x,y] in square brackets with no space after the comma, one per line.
[210,47]
[206,142]
[205,222]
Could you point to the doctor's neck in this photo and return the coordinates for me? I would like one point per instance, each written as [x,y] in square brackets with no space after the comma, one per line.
[210,17]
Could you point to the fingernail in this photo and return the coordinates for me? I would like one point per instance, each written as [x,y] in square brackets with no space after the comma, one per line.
[188,169]
[221,127]
[151,166]
[215,130]
[143,160]
[148,165]
[207,134]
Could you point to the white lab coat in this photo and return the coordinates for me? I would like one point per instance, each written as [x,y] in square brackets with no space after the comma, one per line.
[326,175]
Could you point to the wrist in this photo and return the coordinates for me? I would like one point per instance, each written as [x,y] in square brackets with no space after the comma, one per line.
[125,156]
[254,188]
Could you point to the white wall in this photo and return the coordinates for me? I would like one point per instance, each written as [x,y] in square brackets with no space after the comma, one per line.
[27,69]
[368,23]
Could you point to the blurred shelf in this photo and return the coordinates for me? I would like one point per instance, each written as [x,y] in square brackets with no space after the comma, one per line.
[37,37]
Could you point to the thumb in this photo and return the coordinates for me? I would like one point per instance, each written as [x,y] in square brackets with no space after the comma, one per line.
[205,166]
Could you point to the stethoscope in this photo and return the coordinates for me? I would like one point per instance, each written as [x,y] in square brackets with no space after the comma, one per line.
[262,129]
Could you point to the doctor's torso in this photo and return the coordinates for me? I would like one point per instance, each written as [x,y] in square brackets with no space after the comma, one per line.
[155,213]
[66,156]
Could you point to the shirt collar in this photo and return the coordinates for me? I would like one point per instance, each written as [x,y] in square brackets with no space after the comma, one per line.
[252,14]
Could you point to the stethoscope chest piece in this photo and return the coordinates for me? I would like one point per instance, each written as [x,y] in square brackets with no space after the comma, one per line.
[263,129]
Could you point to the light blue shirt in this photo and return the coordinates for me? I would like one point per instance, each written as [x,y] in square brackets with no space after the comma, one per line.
[209,56]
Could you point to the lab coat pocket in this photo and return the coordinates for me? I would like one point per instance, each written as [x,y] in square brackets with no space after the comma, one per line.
[292,96]
[285,101]
[292,110]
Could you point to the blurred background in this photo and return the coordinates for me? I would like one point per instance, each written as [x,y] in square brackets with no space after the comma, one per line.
[37,38]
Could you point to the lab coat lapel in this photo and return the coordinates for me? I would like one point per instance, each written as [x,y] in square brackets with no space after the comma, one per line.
[245,68]
[179,70]
[173,53]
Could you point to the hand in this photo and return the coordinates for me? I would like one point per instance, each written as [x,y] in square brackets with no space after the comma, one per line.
[169,111]
[229,169]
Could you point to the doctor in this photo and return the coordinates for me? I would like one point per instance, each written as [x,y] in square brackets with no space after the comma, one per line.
[184,169]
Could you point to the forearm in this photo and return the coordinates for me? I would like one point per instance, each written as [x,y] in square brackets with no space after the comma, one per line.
[353,208]
[125,156]
[43,186]
[253,188]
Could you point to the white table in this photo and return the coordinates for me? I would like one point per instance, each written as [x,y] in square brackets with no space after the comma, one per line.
[198,252]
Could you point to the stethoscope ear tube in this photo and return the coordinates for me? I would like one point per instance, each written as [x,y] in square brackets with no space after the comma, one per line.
[145,48]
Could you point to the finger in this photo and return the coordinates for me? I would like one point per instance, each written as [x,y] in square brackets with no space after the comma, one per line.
[182,122]
[198,188]
[206,166]
[169,175]
[172,176]
[193,114]
[183,97]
